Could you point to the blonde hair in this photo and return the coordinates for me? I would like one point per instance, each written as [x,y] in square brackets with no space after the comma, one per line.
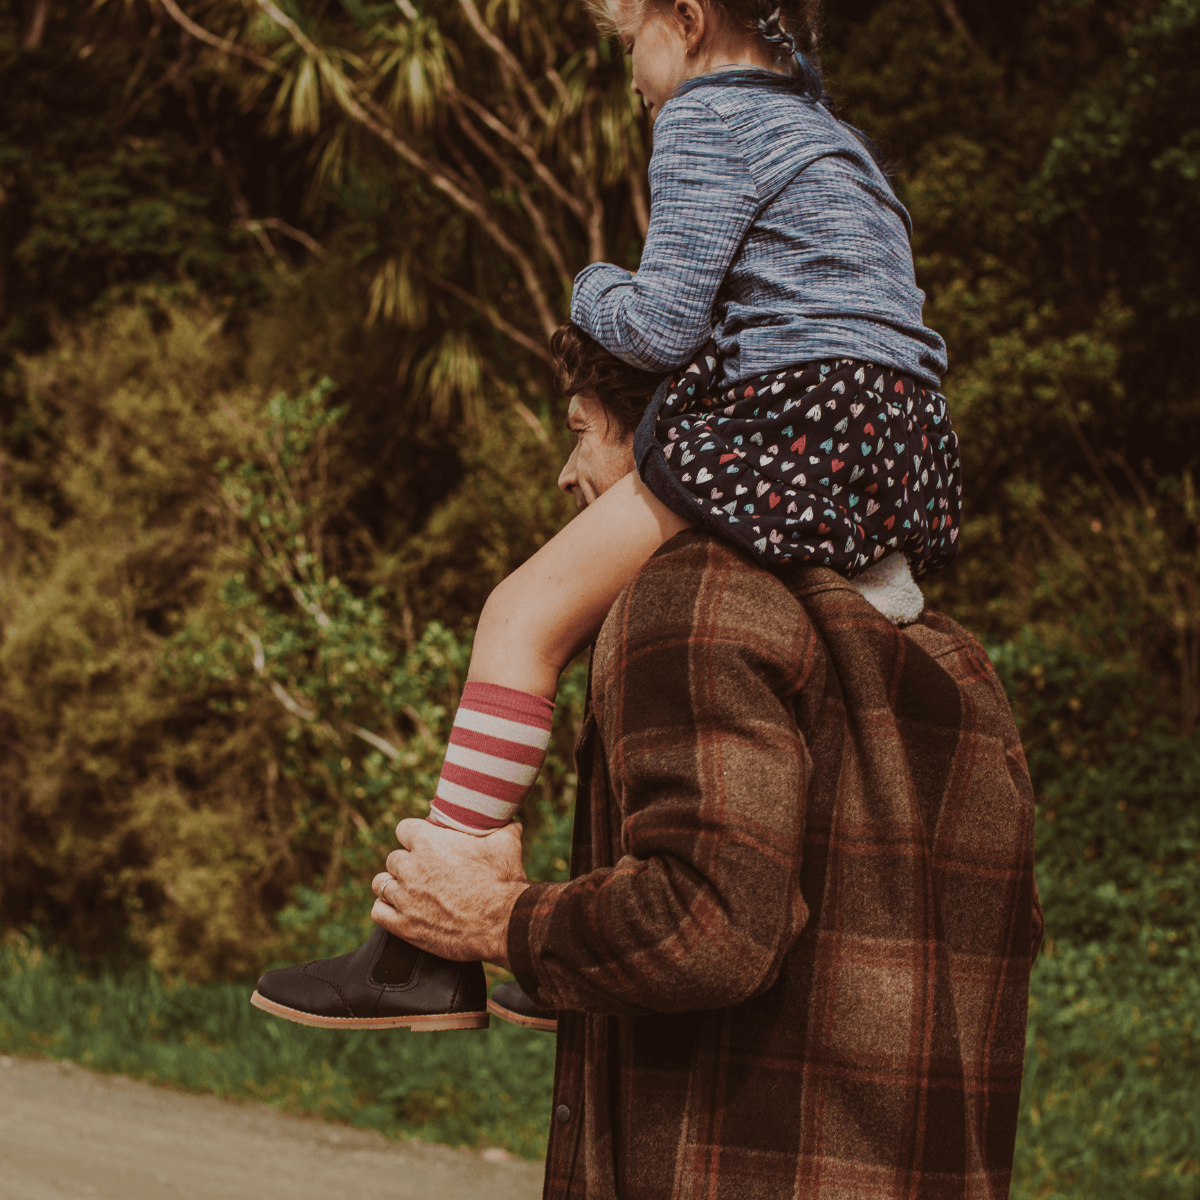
[779,24]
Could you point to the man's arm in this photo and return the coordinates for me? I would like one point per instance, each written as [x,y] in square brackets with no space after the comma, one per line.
[690,687]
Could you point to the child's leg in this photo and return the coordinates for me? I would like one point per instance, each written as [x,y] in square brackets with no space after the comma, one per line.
[533,624]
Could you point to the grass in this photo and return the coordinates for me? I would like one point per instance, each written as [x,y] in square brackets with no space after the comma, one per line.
[469,1088]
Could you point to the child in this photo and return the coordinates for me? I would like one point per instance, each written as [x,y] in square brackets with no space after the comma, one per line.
[805,425]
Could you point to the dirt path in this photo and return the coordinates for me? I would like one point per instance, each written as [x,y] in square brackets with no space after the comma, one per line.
[68,1132]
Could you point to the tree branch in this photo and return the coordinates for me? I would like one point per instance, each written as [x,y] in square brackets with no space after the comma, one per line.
[950,9]
[202,34]
[367,113]
[489,311]
[532,211]
[506,57]
[543,172]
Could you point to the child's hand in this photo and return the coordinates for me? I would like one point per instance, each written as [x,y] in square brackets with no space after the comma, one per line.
[450,893]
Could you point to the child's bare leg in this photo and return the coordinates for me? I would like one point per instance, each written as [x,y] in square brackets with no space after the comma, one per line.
[553,605]
[533,624]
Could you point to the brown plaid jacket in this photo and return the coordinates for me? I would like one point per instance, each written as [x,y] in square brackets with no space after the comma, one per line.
[795,950]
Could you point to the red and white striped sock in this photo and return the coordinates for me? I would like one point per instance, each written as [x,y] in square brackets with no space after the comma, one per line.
[497,747]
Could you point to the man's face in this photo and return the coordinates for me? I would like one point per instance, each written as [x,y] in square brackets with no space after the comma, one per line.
[602,454]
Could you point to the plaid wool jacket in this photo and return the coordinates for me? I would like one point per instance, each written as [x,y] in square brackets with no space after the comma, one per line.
[794,954]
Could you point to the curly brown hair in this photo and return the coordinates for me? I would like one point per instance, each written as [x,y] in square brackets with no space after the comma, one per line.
[583,365]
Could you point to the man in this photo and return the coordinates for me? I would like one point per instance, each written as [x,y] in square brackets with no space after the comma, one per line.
[793,958]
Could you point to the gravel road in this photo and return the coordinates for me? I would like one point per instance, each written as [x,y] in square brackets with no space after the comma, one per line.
[69,1132]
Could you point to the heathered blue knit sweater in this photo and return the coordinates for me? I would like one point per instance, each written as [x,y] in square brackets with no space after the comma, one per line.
[771,230]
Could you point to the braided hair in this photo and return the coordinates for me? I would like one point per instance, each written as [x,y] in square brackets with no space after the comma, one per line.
[788,28]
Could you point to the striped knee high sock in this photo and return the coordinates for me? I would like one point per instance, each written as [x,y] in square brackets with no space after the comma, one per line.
[496,749]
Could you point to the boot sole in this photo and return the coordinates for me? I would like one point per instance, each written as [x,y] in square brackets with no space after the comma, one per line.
[418,1024]
[547,1024]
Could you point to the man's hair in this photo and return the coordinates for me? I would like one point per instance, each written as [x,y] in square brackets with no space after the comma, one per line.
[583,365]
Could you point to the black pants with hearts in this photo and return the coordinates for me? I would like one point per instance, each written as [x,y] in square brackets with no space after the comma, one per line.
[835,463]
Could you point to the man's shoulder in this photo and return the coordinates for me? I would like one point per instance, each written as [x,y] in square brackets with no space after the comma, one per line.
[697,591]
[695,579]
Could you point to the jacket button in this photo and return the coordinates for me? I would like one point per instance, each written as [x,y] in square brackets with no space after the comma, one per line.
[562,1114]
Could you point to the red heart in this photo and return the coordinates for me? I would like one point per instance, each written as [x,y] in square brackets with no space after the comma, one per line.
[924,442]
[837,464]
[772,499]
[798,444]
[822,528]
[872,489]
[726,457]
[899,387]
[869,428]
[904,481]
[748,392]
[934,523]
[890,522]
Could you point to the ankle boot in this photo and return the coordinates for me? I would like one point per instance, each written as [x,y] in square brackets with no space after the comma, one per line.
[385,984]
[510,1003]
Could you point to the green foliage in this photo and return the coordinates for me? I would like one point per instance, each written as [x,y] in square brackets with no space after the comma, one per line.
[474,1089]
[1112,1087]
[216,701]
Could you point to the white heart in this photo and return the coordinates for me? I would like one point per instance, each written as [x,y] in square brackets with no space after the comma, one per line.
[703,475]
[814,413]
[740,491]
[686,458]
[786,466]
[763,486]
[763,459]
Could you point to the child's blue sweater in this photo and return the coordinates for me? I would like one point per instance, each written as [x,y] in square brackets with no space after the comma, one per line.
[771,230]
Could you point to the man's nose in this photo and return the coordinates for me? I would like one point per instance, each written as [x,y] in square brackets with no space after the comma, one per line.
[568,479]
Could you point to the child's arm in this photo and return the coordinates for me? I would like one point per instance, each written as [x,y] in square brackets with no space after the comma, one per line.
[552,606]
[703,199]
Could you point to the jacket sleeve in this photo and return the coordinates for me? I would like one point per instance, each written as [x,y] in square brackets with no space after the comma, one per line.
[702,202]
[707,770]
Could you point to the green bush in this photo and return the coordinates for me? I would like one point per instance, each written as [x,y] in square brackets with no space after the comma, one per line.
[1111,1101]
[219,694]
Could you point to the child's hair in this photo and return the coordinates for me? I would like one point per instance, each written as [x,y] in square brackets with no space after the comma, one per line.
[790,30]
[583,365]
[788,27]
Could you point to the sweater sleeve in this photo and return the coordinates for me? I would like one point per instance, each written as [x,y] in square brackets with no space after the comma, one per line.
[702,202]
[709,770]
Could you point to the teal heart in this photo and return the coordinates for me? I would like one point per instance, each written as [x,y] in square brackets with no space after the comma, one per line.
[827,446]
[787,432]
[853,499]
[865,449]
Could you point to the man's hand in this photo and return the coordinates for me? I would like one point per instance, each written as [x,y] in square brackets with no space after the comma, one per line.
[451,893]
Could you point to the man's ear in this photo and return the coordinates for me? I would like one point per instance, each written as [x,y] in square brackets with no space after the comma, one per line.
[694,18]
